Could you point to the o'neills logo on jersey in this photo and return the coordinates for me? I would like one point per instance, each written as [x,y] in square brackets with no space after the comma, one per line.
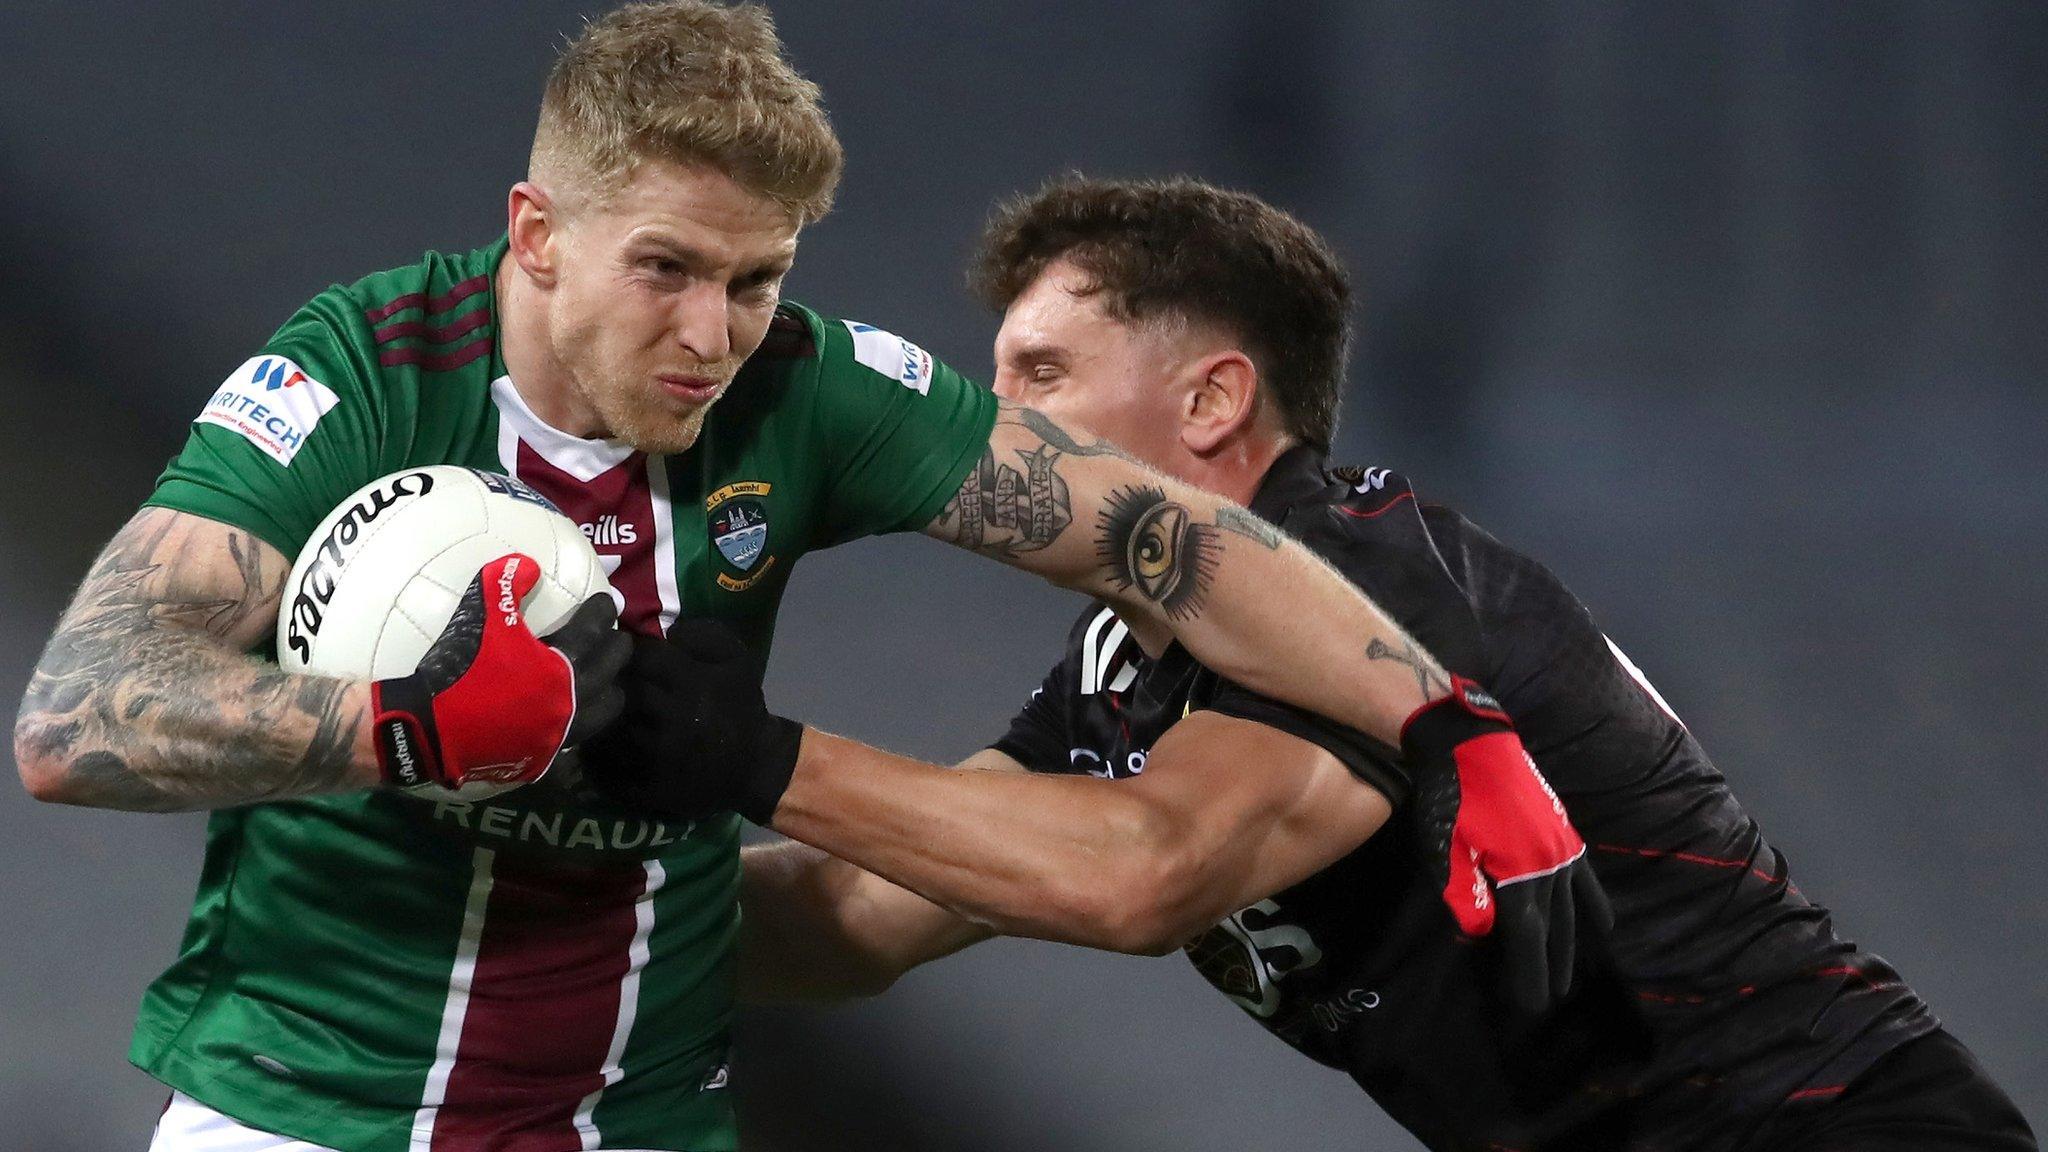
[737,518]
[608,530]
[316,587]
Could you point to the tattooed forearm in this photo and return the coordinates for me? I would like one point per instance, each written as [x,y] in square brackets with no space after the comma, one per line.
[1004,509]
[1240,522]
[1428,677]
[1153,545]
[143,699]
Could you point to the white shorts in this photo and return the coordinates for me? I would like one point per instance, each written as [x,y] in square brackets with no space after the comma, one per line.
[189,1126]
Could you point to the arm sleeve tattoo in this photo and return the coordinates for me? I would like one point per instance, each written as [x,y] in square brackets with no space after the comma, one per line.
[144,700]
[1016,501]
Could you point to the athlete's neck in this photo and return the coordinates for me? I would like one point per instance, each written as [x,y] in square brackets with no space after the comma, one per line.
[537,374]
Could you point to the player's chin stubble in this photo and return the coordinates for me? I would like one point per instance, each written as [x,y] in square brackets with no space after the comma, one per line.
[651,426]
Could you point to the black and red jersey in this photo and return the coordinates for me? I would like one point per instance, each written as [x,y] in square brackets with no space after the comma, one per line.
[1723,991]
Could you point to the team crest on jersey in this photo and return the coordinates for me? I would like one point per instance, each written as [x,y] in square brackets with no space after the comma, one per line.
[737,518]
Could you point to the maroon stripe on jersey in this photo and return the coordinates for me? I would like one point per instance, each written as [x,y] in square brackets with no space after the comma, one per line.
[543,1003]
[446,332]
[441,303]
[436,361]
[615,509]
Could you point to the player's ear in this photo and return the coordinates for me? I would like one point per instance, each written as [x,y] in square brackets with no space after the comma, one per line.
[534,227]
[1222,399]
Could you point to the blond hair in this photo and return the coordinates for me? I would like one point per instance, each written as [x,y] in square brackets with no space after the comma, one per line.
[690,82]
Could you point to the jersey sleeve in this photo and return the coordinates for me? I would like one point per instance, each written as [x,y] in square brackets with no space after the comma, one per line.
[1041,736]
[1368,759]
[1037,738]
[288,434]
[900,431]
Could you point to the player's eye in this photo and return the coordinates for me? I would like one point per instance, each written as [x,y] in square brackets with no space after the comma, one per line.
[665,267]
[756,287]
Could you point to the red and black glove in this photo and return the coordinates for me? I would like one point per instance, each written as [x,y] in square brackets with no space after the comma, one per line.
[491,701]
[1509,860]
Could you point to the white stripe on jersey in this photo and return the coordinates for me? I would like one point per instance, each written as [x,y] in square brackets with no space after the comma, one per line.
[457,1005]
[584,459]
[629,1002]
[1637,674]
[1098,656]
[664,541]
[1089,678]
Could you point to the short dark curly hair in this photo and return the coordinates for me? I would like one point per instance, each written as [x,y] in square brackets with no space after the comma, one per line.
[1184,248]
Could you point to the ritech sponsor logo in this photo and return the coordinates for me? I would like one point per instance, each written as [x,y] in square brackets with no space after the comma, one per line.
[892,356]
[316,587]
[272,403]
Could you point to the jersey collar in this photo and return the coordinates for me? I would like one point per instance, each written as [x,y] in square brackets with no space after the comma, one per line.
[1295,476]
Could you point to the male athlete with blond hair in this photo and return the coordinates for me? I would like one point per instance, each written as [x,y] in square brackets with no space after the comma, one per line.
[549,970]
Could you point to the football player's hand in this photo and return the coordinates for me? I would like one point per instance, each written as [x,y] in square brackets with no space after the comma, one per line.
[490,700]
[696,736]
[1508,858]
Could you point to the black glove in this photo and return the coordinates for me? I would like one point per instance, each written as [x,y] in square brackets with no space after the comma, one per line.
[491,701]
[1508,861]
[696,736]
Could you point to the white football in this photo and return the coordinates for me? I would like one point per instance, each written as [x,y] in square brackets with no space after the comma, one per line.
[379,578]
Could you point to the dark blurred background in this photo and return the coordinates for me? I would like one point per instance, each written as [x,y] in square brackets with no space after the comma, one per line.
[1732,314]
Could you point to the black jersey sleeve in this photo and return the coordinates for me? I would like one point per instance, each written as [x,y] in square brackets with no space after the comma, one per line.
[1375,535]
[1368,759]
[1038,737]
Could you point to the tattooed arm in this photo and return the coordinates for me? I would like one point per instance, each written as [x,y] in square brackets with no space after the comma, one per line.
[145,699]
[1252,605]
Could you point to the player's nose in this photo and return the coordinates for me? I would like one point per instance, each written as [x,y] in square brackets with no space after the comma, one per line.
[703,322]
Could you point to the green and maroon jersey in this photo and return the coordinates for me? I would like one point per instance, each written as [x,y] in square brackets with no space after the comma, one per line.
[375,973]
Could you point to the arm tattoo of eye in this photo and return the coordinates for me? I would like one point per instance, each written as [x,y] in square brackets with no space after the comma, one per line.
[1240,522]
[1152,544]
[1428,676]
[1003,511]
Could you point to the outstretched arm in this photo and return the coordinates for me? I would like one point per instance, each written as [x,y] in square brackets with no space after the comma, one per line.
[1226,813]
[1251,604]
[814,927]
[146,700]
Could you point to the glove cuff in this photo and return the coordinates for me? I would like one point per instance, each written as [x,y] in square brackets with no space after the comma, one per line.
[406,737]
[1448,721]
[775,754]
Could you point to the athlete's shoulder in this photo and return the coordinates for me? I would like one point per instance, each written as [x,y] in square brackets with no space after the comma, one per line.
[1347,513]
[437,314]
[846,353]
